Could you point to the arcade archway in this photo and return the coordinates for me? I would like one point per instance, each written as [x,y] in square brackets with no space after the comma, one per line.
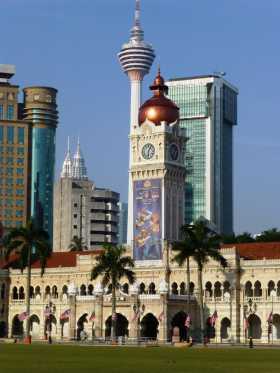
[17,326]
[225,328]
[3,329]
[179,321]
[149,326]
[255,327]
[81,325]
[121,326]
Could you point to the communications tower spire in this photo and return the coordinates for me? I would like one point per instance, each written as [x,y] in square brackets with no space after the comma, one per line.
[136,58]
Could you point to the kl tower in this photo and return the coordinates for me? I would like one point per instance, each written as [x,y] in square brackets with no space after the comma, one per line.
[136,58]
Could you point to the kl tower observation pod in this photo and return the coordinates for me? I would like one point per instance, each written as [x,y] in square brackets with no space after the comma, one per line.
[136,58]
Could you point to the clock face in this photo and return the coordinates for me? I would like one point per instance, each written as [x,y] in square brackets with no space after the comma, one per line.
[148,151]
[173,152]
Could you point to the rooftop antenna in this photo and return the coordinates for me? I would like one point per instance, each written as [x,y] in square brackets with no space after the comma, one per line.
[137,14]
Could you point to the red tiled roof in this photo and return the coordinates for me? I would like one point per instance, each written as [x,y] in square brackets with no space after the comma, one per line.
[257,250]
[57,259]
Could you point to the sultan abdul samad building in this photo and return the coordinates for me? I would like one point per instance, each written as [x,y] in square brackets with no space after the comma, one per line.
[243,296]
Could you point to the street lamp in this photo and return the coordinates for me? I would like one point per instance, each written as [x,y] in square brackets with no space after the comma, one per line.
[49,312]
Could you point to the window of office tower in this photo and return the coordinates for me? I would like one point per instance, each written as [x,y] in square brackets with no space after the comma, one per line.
[195,161]
[10,112]
[191,99]
[1,111]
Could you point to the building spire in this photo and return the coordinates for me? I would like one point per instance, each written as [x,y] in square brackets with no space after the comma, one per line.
[137,14]
[79,171]
[137,34]
[67,164]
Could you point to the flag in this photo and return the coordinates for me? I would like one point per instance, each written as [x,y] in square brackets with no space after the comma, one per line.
[270,318]
[92,317]
[213,319]
[188,321]
[23,316]
[161,316]
[65,315]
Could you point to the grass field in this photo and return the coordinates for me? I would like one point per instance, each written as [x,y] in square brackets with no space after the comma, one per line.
[80,359]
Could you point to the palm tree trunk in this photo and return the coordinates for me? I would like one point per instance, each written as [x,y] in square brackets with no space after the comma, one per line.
[188,291]
[28,294]
[114,315]
[201,303]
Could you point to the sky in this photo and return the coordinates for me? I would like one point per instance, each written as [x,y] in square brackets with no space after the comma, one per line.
[73,45]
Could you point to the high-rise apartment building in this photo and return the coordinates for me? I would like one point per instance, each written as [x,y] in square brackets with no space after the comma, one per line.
[208,113]
[15,155]
[81,209]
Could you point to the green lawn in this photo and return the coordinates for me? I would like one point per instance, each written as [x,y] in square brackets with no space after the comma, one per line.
[80,359]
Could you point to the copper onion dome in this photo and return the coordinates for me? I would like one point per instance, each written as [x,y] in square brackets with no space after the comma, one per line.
[159,108]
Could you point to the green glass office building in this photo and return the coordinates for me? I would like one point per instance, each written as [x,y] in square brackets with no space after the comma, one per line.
[208,112]
[40,109]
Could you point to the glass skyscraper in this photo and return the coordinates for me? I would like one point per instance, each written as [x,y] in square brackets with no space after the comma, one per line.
[40,109]
[208,112]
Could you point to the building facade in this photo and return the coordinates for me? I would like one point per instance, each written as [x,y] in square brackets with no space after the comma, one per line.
[27,153]
[244,296]
[208,113]
[81,209]
[15,155]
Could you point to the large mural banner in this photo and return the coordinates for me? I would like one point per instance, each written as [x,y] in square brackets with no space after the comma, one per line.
[147,220]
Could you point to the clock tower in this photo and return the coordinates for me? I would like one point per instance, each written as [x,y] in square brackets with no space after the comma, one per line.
[157,176]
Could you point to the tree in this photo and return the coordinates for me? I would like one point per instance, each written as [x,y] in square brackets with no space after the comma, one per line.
[204,244]
[112,265]
[270,235]
[77,244]
[185,249]
[28,243]
[244,237]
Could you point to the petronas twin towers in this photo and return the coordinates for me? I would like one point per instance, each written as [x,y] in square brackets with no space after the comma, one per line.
[74,168]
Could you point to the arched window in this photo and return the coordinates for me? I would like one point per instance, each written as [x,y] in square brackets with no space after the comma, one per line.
[182,288]
[31,292]
[21,294]
[65,290]
[226,287]
[125,288]
[83,290]
[270,287]
[278,289]
[258,289]
[37,291]
[15,292]
[208,289]
[174,288]
[248,289]
[142,288]
[90,289]
[3,291]
[217,289]
[47,291]
[192,286]
[54,291]
[152,288]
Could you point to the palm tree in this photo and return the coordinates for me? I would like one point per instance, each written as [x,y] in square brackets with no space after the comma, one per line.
[112,265]
[28,243]
[203,244]
[185,250]
[77,244]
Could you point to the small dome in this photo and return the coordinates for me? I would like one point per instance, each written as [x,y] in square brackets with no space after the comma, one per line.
[159,108]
